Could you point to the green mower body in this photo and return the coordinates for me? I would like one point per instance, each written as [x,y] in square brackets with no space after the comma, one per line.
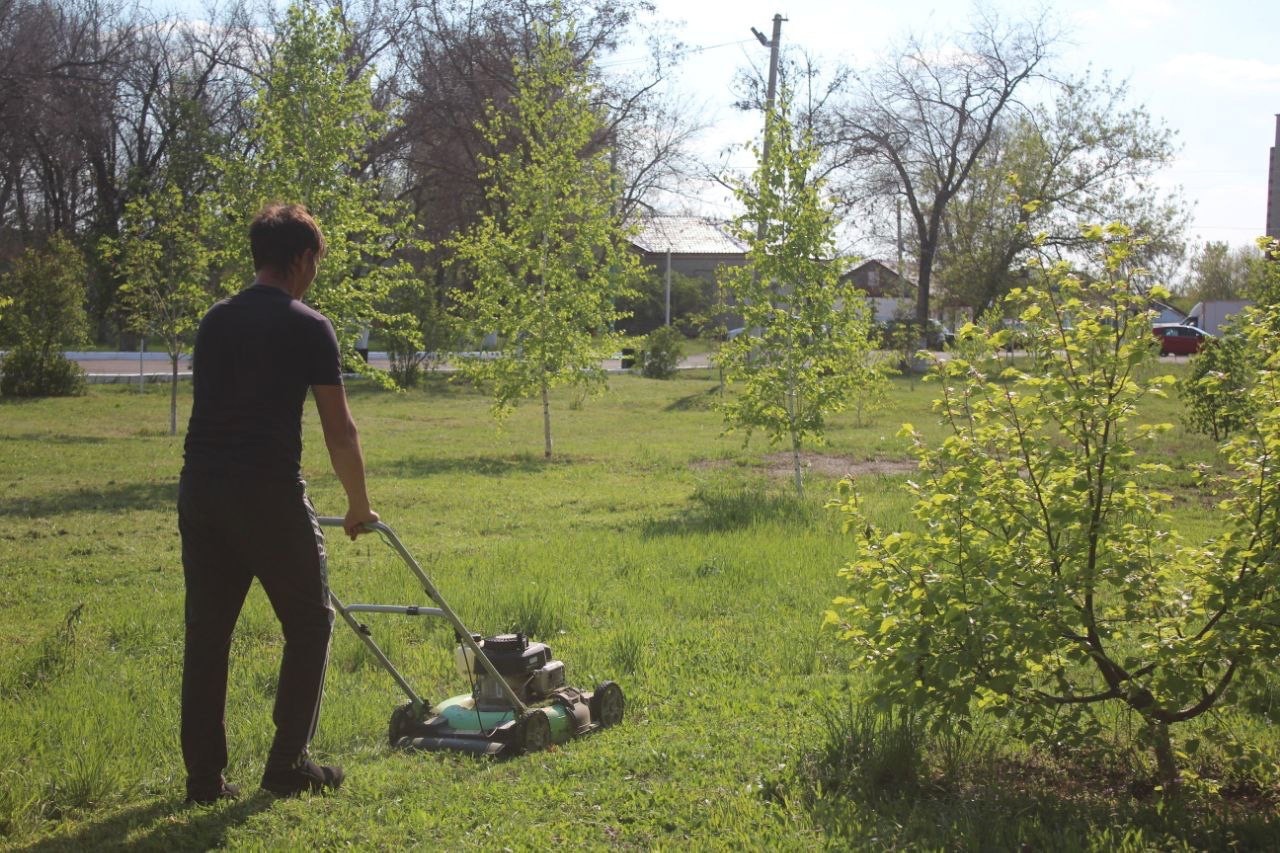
[519,700]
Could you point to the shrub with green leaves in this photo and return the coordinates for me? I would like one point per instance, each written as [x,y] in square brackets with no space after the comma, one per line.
[1213,388]
[418,333]
[1046,578]
[660,355]
[46,290]
[26,373]
[1215,391]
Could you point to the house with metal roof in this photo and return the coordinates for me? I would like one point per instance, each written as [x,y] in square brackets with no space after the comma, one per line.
[688,245]
[683,248]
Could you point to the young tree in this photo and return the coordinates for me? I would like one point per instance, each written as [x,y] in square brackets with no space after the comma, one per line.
[45,291]
[164,263]
[805,352]
[1046,577]
[310,125]
[548,261]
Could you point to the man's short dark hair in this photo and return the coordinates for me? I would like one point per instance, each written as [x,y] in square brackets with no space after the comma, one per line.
[280,233]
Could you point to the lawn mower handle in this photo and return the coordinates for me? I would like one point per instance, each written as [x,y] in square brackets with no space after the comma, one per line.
[464,634]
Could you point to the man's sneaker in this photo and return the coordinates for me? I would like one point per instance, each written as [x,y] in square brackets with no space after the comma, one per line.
[208,796]
[302,777]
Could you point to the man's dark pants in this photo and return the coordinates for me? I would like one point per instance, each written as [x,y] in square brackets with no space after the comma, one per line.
[234,530]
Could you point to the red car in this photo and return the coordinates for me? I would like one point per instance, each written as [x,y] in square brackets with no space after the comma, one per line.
[1180,339]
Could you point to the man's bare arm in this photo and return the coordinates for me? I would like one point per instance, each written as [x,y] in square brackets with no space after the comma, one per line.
[343,441]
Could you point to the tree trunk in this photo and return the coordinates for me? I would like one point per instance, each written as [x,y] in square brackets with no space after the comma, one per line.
[924,285]
[173,395]
[1166,763]
[799,468]
[546,418]
[928,248]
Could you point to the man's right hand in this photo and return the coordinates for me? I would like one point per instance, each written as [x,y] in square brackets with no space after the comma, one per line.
[355,520]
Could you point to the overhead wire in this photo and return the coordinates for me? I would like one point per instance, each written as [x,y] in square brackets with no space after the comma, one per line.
[679,54]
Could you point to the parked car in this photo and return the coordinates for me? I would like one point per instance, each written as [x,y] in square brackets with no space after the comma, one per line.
[1180,339]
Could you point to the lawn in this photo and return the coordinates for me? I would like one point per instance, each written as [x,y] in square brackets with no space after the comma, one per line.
[653,550]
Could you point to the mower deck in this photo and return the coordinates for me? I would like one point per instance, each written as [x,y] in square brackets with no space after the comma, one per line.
[456,723]
[519,702]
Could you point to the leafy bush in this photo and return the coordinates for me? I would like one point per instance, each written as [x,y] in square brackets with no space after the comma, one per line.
[46,289]
[660,355]
[646,309]
[27,373]
[419,331]
[1213,390]
[1048,578]
[1216,390]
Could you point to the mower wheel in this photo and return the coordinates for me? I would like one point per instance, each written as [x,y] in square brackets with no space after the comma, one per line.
[402,722]
[534,732]
[607,704]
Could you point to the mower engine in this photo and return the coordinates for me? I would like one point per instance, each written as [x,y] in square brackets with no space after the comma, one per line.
[528,669]
[519,702]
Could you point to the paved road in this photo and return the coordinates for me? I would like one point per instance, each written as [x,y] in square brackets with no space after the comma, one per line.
[155,366]
[158,363]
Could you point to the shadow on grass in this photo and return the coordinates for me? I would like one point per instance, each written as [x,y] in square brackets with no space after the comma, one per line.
[431,384]
[129,496]
[701,401]
[480,466]
[154,827]
[57,438]
[873,775]
[991,816]
[735,506]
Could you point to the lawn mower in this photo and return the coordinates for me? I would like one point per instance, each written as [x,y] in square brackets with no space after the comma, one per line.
[519,700]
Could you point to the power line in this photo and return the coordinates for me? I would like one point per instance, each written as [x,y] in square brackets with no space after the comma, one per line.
[680,55]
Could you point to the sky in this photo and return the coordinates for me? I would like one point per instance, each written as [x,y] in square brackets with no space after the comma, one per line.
[1209,71]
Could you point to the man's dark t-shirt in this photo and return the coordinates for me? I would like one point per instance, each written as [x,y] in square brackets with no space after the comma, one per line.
[256,355]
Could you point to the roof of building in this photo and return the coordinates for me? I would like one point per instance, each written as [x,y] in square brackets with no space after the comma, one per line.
[880,279]
[872,262]
[685,235]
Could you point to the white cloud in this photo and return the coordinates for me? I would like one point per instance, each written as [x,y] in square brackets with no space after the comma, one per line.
[1223,72]
[1132,15]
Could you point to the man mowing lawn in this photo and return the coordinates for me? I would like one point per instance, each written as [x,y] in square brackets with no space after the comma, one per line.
[243,509]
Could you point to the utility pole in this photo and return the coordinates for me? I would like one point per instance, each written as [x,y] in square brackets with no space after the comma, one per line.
[668,313]
[897,204]
[1273,188]
[770,97]
[771,93]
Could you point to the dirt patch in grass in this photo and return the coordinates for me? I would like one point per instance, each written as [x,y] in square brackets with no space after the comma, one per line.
[780,465]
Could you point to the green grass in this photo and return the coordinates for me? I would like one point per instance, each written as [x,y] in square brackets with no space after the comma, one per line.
[653,551]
